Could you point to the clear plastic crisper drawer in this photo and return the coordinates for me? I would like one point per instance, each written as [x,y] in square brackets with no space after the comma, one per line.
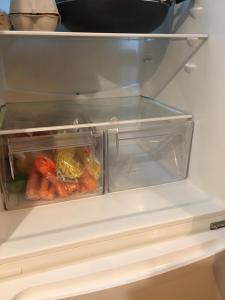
[40,169]
[148,155]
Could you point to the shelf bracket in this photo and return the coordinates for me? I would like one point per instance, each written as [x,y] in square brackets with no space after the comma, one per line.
[189,68]
[196,11]
[192,41]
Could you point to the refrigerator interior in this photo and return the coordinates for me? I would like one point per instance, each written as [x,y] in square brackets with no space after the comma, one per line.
[41,74]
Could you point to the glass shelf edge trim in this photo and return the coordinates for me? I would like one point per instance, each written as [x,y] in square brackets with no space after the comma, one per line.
[91,125]
[8,33]
[106,112]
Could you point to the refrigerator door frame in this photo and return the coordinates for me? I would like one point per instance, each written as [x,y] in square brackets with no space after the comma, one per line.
[115,269]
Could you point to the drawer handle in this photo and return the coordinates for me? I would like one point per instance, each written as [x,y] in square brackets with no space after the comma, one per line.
[162,144]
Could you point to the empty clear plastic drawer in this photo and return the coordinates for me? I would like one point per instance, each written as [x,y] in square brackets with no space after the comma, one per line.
[151,155]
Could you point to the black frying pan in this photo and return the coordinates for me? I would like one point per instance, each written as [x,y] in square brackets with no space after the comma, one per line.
[129,16]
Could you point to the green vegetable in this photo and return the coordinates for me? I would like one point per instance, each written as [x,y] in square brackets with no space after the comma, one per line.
[18,185]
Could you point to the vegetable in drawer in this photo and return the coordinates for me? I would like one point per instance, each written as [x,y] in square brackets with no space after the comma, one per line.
[54,167]
[67,164]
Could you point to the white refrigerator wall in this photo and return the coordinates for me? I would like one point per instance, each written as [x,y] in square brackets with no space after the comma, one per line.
[202,93]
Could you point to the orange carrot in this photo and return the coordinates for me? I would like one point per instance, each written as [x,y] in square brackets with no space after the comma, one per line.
[89,182]
[32,189]
[51,193]
[44,165]
[59,186]
[43,192]
[82,188]
[71,187]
